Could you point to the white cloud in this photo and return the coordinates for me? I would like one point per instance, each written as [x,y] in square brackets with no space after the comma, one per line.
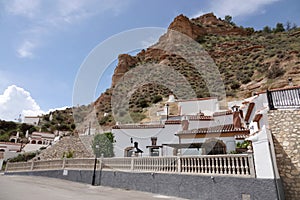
[15,101]
[236,7]
[26,8]
[26,49]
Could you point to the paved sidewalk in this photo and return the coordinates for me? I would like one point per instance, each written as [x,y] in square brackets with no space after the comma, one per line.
[41,188]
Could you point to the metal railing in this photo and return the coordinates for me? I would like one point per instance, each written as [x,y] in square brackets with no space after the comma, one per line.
[240,165]
[288,98]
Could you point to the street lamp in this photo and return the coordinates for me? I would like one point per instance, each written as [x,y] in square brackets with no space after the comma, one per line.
[95,165]
[167,106]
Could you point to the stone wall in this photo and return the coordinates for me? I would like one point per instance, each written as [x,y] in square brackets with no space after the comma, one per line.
[179,185]
[285,129]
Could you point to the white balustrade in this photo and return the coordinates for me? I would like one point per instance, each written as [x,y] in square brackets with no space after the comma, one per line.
[227,165]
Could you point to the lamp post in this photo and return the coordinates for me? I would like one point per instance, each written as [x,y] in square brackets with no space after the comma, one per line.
[95,165]
[167,106]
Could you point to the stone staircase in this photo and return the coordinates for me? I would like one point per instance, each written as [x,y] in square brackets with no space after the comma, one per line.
[68,144]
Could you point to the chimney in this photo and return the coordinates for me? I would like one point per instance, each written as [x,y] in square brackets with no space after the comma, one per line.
[200,113]
[153,141]
[185,124]
[237,124]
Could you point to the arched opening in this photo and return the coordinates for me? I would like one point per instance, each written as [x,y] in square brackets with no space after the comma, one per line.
[33,142]
[13,140]
[128,151]
[214,146]
[40,142]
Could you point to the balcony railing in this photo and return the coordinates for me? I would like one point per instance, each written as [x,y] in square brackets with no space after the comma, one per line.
[288,98]
[240,165]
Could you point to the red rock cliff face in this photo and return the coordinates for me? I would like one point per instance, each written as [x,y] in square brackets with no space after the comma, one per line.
[183,25]
[215,26]
[125,61]
[195,28]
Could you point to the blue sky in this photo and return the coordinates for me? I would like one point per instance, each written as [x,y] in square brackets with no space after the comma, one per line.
[44,42]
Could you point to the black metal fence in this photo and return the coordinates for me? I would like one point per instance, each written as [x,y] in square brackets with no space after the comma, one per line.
[284,98]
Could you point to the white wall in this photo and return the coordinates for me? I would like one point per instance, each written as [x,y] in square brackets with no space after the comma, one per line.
[143,137]
[193,107]
[262,155]
[199,124]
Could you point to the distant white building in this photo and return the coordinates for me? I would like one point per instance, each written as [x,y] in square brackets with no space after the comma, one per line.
[9,149]
[41,138]
[32,120]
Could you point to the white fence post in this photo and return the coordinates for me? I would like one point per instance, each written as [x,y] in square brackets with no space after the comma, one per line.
[132,163]
[32,165]
[251,165]
[178,163]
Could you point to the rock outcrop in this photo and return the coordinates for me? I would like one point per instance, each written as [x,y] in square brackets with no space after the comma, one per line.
[183,25]
[67,145]
[235,50]
[125,62]
[215,26]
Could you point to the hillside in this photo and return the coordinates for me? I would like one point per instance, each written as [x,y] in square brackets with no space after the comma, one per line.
[248,61]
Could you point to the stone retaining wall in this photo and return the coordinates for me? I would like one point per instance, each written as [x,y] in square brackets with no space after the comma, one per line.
[285,128]
[180,185]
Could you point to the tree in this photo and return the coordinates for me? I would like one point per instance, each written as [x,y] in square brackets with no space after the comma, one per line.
[294,26]
[288,25]
[228,18]
[279,28]
[103,144]
[267,29]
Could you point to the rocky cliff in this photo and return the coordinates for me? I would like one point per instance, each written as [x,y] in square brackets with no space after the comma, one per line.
[248,61]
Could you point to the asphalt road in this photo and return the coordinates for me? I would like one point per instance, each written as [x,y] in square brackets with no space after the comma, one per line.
[41,188]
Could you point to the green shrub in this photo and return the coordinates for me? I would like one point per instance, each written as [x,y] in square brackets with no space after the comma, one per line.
[275,71]
[143,103]
[235,85]
[157,98]
[69,154]
[23,157]
[103,144]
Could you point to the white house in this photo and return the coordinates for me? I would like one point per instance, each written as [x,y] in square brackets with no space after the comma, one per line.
[32,120]
[186,133]
[42,138]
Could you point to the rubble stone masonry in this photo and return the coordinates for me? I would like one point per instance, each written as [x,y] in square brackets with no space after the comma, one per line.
[285,128]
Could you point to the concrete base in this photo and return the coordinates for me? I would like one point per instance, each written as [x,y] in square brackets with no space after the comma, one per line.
[185,186]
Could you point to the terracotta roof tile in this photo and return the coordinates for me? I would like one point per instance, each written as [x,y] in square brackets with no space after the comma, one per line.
[138,126]
[169,122]
[227,112]
[200,118]
[214,129]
